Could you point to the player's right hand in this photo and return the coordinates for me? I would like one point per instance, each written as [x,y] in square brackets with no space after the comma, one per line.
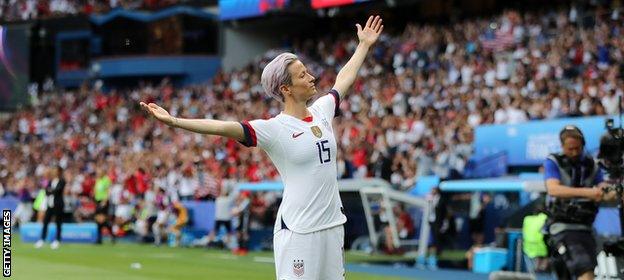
[158,112]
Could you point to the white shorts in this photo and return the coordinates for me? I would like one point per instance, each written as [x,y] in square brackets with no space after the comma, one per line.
[161,217]
[314,256]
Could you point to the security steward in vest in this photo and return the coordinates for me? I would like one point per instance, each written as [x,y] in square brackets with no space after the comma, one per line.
[575,186]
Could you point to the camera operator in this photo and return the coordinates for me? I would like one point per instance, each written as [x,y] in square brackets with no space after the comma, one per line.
[575,186]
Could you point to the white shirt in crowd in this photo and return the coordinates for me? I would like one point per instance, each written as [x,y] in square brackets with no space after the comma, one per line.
[223,207]
[188,186]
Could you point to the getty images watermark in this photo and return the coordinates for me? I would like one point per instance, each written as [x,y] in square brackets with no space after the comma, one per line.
[6,243]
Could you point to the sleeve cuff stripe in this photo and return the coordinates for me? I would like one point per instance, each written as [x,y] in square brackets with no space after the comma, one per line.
[250,134]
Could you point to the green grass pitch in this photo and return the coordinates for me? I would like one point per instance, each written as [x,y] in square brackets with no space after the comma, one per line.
[87,261]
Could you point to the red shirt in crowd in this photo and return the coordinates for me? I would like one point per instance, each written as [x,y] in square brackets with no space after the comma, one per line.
[88,185]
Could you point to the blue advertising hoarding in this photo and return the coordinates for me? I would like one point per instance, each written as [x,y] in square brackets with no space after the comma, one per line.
[72,232]
[236,9]
[529,143]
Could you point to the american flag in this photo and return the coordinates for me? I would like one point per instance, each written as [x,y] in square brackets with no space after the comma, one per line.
[501,40]
[208,186]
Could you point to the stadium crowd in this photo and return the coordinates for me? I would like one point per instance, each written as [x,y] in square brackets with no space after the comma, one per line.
[411,112]
[16,10]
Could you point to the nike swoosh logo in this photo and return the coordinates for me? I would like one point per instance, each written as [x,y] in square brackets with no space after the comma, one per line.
[295,135]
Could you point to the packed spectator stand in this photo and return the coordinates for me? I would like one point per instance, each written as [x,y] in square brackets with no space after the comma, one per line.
[411,112]
[21,10]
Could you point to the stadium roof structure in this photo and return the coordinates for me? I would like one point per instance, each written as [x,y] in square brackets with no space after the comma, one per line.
[145,16]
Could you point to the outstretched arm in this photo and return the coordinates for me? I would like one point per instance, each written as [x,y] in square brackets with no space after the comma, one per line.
[367,36]
[228,129]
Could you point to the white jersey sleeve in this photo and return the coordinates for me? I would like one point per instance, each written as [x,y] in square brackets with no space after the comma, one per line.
[260,133]
[329,104]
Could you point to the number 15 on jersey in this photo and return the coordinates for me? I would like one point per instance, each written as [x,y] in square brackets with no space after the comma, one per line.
[323,151]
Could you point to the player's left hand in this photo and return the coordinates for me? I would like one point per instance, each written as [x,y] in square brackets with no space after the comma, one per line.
[371,30]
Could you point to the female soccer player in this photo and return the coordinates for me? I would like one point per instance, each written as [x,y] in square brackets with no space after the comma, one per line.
[308,234]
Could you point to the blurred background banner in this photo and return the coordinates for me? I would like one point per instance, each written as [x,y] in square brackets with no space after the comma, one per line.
[318,4]
[74,233]
[531,142]
[236,9]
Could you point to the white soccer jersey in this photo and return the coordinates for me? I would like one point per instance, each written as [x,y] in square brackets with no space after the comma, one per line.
[304,153]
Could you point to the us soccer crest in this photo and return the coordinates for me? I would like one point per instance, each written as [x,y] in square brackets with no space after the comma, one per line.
[316,131]
[298,269]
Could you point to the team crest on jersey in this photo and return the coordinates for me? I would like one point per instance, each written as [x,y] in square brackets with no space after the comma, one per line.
[298,268]
[316,131]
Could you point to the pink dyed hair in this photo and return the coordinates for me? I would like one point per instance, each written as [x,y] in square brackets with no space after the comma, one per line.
[276,74]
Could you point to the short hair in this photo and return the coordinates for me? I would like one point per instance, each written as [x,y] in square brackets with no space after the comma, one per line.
[59,170]
[571,134]
[276,74]
[571,131]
